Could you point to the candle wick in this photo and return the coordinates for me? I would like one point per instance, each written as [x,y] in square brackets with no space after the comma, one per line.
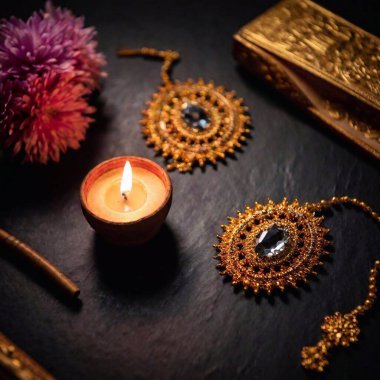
[124,195]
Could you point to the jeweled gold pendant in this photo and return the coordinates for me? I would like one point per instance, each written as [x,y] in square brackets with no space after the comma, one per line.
[192,123]
[272,246]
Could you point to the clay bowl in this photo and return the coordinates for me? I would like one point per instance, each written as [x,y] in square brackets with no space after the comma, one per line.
[127,233]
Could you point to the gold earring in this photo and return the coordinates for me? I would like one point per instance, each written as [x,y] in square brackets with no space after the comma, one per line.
[193,122]
[272,246]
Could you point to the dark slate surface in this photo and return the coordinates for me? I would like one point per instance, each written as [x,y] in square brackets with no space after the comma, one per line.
[164,312]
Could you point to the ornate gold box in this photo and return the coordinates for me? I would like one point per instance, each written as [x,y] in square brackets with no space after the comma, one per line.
[325,64]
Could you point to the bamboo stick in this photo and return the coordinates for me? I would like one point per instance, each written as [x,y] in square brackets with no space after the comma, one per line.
[40,263]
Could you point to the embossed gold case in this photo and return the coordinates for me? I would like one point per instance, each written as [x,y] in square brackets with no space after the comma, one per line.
[325,64]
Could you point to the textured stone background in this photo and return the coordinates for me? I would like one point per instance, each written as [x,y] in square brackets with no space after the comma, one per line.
[164,312]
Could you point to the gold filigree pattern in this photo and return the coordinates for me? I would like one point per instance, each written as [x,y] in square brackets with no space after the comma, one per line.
[322,43]
[340,113]
[225,120]
[237,249]
[272,71]
[166,130]
[326,65]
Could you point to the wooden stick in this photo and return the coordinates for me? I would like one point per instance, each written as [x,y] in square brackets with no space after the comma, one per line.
[42,264]
[18,364]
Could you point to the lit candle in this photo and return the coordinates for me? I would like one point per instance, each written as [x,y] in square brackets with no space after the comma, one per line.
[126,199]
[120,196]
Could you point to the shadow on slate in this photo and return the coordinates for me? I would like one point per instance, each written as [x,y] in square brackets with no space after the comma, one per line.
[34,184]
[266,91]
[138,271]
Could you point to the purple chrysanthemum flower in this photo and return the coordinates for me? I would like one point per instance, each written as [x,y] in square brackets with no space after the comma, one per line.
[48,68]
[50,39]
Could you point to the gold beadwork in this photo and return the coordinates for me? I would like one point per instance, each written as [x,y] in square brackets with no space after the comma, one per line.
[305,245]
[341,329]
[304,248]
[166,130]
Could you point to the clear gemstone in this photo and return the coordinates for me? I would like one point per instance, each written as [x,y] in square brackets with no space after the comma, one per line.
[195,116]
[271,242]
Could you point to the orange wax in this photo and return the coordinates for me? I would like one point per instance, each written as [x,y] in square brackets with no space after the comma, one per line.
[105,201]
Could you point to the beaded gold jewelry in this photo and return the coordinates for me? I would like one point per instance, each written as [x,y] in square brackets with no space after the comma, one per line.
[341,329]
[194,122]
[272,246]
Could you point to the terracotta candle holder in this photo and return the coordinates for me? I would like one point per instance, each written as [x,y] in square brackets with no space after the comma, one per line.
[130,218]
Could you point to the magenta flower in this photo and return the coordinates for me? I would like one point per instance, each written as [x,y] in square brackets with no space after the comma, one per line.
[44,115]
[48,67]
[50,39]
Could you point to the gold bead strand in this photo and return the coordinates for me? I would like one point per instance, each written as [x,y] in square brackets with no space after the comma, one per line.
[334,201]
[372,291]
[168,56]
[338,329]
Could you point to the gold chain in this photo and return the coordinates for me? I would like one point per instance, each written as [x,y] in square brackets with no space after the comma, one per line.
[169,57]
[344,200]
[340,329]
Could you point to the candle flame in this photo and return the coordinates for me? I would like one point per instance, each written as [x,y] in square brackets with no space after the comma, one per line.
[126,180]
